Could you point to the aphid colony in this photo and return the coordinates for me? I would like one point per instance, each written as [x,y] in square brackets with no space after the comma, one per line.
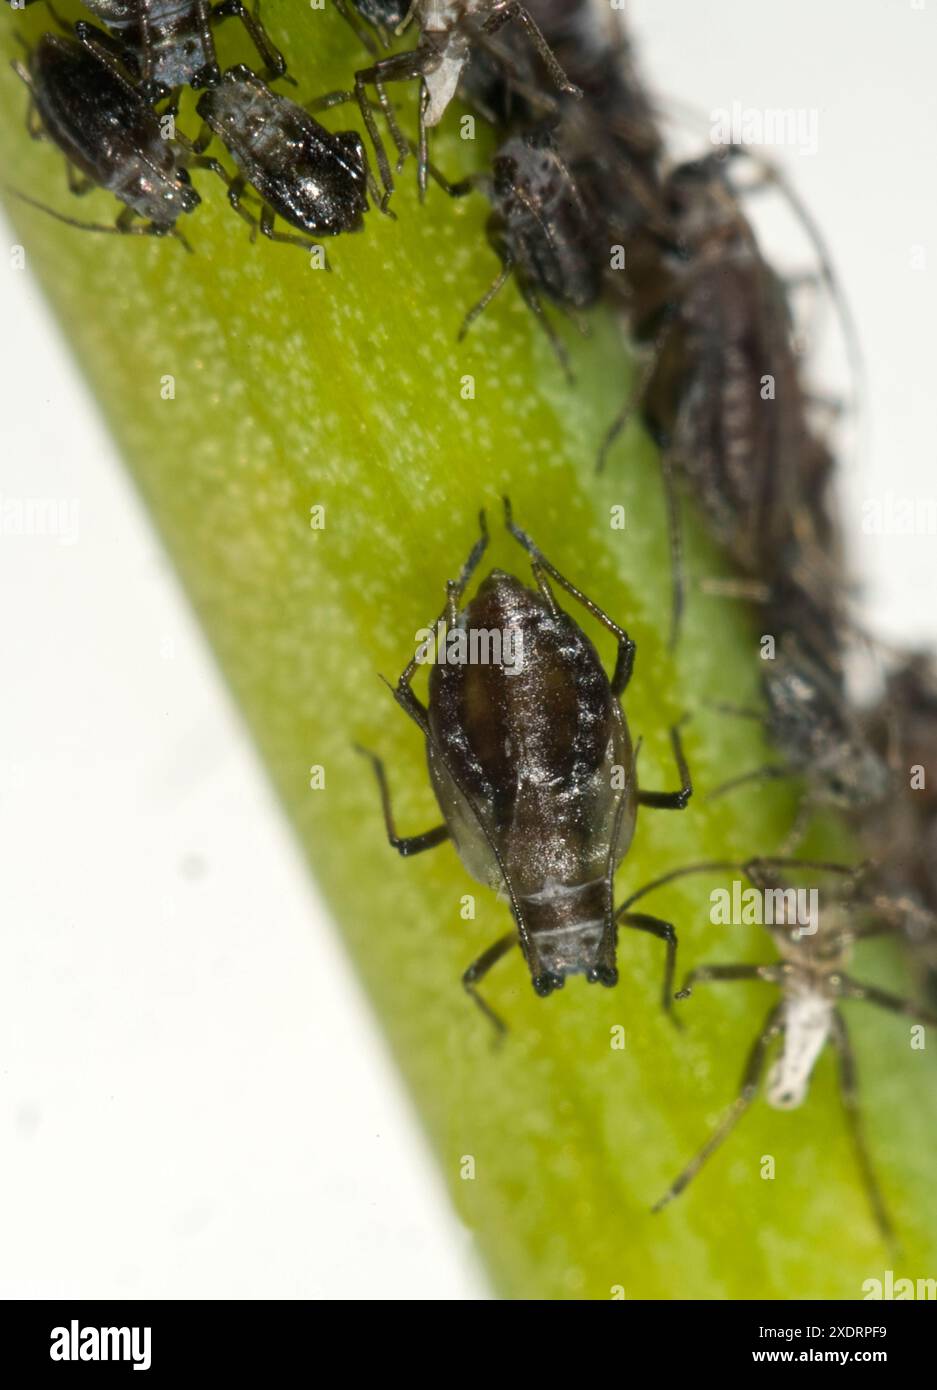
[533,768]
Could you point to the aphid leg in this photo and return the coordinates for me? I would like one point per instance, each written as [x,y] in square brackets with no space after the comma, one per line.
[236,187]
[536,308]
[770,772]
[422,158]
[360,97]
[361,32]
[672,801]
[750,1081]
[401,67]
[849,1090]
[882,999]
[403,692]
[124,226]
[635,397]
[664,931]
[497,284]
[405,845]
[354,146]
[267,216]
[77,183]
[236,9]
[675,537]
[704,974]
[746,590]
[479,969]
[60,23]
[515,11]
[34,127]
[624,664]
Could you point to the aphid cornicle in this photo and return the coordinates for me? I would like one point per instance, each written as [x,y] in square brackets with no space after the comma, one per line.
[316,180]
[83,100]
[534,771]
[814,950]
[171,41]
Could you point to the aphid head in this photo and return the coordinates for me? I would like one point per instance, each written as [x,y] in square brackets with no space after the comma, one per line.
[164,199]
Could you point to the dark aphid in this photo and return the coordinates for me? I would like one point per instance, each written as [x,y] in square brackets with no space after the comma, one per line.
[83,100]
[900,836]
[717,322]
[449,29]
[315,180]
[819,736]
[815,949]
[534,771]
[540,228]
[721,390]
[171,41]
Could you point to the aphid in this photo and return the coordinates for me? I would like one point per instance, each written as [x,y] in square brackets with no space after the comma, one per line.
[900,836]
[721,391]
[82,99]
[449,29]
[814,953]
[534,771]
[540,228]
[811,721]
[609,141]
[314,179]
[171,41]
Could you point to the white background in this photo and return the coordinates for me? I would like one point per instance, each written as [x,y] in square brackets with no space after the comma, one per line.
[194,1099]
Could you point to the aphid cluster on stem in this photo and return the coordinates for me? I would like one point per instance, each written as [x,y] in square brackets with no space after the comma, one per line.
[532,764]
[108,97]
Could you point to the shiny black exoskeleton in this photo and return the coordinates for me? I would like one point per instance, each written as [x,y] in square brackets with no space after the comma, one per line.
[85,102]
[540,228]
[534,770]
[313,179]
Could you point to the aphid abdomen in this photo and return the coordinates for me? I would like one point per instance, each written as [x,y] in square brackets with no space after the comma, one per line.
[107,130]
[540,747]
[170,40]
[808,1020]
[311,178]
[177,41]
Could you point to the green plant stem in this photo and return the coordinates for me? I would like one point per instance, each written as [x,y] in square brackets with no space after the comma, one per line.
[293,388]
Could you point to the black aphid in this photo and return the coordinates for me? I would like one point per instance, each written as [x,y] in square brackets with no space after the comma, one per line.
[814,948]
[534,771]
[83,100]
[171,41]
[449,29]
[540,228]
[819,735]
[315,180]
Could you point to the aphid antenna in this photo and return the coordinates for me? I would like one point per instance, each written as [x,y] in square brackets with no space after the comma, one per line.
[361,33]
[746,867]
[407,20]
[110,228]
